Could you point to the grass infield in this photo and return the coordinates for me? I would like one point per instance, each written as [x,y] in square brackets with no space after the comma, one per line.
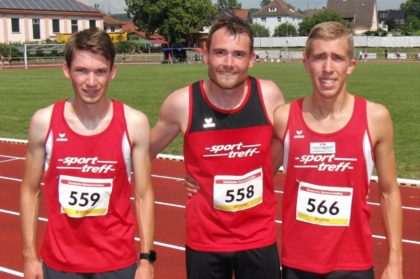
[396,85]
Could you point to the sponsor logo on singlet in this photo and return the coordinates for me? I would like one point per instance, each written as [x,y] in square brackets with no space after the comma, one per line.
[62,137]
[86,164]
[299,134]
[208,123]
[233,150]
[322,157]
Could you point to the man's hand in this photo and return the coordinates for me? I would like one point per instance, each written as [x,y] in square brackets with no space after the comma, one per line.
[32,269]
[192,187]
[145,270]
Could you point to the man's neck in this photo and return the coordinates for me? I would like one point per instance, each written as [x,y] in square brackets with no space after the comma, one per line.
[225,99]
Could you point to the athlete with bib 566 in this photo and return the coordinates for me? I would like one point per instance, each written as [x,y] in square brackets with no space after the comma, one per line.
[332,140]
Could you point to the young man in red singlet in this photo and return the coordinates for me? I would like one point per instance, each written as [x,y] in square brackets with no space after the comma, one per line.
[84,149]
[227,125]
[332,140]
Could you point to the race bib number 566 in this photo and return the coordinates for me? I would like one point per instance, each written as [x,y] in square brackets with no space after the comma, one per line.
[80,197]
[235,193]
[322,205]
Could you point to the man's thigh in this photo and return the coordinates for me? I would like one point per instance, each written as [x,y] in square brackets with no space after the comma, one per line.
[261,263]
[291,273]
[125,273]
[208,265]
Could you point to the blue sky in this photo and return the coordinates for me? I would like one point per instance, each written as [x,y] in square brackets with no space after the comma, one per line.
[117,6]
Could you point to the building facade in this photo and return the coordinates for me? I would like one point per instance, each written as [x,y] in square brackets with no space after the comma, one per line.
[27,21]
[276,13]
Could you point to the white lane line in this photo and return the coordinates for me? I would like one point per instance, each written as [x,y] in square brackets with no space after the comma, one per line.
[11,271]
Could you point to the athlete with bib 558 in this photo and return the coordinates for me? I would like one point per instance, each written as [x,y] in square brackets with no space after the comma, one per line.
[85,150]
[227,125]
[332,140]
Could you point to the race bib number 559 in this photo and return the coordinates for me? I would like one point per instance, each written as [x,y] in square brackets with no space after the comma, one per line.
[235,193]
[80,197]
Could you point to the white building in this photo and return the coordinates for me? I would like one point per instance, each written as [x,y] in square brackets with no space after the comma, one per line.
[38,20]
[276,13]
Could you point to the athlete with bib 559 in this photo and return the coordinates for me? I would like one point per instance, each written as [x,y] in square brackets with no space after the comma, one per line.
[332,140]
[226,121]
[85,150]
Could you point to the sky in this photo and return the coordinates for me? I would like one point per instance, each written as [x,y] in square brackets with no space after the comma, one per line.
[118,6]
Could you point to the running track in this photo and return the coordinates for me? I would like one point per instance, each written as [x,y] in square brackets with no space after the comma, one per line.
[170,199]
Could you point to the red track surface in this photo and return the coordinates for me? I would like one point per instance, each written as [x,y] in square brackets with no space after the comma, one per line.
[170,198]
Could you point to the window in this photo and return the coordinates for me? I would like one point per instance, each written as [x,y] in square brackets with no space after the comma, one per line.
[56,25]
[112,29]
[15,25]
[92,23]
[279,19]
[74,26]
[36,30]
[263,19]
[272,9]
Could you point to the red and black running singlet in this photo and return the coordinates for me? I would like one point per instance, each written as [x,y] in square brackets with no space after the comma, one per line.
[228,152]
[87,193]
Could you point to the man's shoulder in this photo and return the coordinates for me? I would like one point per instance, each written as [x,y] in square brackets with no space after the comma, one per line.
[134,115]
[43,114]
[376,111]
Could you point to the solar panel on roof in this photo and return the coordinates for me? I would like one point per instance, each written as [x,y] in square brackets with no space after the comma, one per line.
[49,5]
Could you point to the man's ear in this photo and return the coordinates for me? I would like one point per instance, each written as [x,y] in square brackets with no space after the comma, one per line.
[206,56]
[66,70]
[113,71]
[305,60]
[352,66]
[252,58]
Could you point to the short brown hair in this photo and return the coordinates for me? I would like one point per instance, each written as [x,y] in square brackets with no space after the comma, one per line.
[330,31]
[234,26]
[94,40]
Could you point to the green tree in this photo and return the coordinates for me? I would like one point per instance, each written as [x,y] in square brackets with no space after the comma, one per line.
[285,30]
[411,7]
[259,30]
[412,24]
[308,22]
[173,19]
[411,10]
[264,2]
[228,5]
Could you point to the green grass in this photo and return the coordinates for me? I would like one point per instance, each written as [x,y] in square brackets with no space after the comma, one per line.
[144,87]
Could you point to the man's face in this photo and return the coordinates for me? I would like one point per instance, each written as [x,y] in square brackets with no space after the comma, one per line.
[90,74]
[228,59]
[329,65]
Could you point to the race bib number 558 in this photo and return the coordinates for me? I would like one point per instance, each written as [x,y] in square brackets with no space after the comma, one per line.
[235,193]
[80,197]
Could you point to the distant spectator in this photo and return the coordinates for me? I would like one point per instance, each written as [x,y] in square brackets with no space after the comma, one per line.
[361,54]
[365,56]
[398,54]
[1,62]
[9,60]
[386,54]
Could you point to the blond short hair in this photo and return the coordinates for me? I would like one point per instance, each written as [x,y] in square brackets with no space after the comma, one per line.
[330,31]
